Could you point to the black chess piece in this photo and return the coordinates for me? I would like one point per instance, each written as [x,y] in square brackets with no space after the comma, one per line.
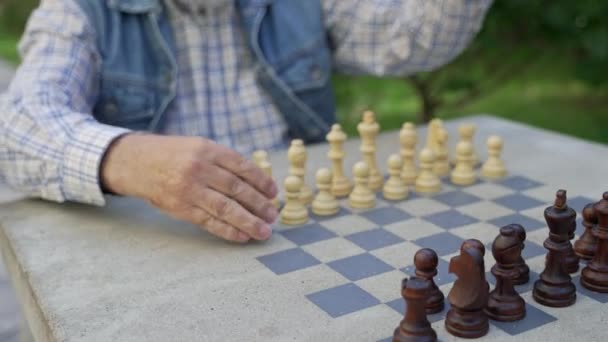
[555,287]
[595,275]
[571,259]
[523,276]
[425,261]
[504,303]
[469,294]
[415,326]
[586,245]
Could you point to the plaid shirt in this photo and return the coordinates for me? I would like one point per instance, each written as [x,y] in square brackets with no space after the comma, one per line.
[51,146]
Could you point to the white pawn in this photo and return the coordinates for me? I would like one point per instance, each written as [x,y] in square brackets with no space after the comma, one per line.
[466,132]
[427,181]
[442,165]
[293,212]
[395,188]
[408,139]
[362,197]
[324,204]
[463,173]
[494,167]
[297,156]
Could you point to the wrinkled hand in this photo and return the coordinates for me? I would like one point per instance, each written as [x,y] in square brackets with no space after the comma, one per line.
[195,180]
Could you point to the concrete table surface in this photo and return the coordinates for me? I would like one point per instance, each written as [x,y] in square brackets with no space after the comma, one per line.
[126,272]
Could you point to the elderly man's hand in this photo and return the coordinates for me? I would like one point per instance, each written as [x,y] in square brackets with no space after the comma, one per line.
[195,180]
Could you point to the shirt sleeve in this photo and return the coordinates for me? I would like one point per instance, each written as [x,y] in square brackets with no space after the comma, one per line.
[400,37]
[51,146]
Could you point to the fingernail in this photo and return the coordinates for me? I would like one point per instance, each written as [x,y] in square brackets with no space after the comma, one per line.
[271,214]
[273,190]
[265,231]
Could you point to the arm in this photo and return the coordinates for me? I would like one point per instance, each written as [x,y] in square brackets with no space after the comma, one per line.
[400,37]
[51,147]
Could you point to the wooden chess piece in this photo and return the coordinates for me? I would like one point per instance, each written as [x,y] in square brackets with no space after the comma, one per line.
[324,204]
[296,154]
[340,185]
[524,271]
[408,139]
[463,173]
[415,326]
[494,167]
[368,131]
[504,303]
[434,126]
[468,296]
[361,197]
[425,262]
[586,245]
[466,133]
[442,164]
[478,245]
[571,259]
[395,189]
[427,182]
[294,212]
[555,287]
[595,275]
[260,158]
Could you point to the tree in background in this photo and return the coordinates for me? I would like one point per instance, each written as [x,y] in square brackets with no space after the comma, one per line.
[515,33]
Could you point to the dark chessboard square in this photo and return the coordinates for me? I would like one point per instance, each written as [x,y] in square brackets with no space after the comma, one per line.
[343,299]
[534,318]
[532,249]
[341,212]
[386,215]
[399,305]
[288,260]
[456,198]
[528,223]
[442,277]
[600,297]
[579,202]
[360,266]
[518,202]
[450,219]
[520,183]
[442,243]
[307,234]
[374,239]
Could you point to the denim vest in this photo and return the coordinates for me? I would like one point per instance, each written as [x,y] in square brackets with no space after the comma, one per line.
[139,71]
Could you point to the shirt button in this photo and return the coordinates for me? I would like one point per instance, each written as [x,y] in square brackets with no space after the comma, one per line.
[316,72]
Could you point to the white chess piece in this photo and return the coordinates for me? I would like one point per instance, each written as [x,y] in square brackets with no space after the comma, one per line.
[463,173]
[442,165]
[340,185]
[427,181]
[362,197]
[368,131]
[466,133]
[494,167]
[293,212]
[395,188]
[324,204]
[408,140]
[296,154]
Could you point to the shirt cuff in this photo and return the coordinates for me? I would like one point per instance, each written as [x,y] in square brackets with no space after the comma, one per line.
[80,181]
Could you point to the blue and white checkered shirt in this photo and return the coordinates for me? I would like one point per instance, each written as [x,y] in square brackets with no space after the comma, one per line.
[51,146]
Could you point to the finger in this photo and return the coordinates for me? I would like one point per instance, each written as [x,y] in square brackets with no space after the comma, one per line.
[231,212]
[223,230]
[234,187]
[247,170]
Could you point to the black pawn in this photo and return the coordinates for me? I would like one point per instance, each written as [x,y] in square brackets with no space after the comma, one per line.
[594,276]
[555,287]
[586,245]
[504,303]
[426,261]
[524,271]
[415,326]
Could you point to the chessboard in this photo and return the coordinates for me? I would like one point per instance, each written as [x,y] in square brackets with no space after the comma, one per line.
[373,247]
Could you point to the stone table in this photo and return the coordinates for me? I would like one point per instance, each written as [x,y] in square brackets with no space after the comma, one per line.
[126,272]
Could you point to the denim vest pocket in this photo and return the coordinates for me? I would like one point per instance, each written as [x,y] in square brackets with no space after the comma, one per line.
[307,69]
[125,101]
